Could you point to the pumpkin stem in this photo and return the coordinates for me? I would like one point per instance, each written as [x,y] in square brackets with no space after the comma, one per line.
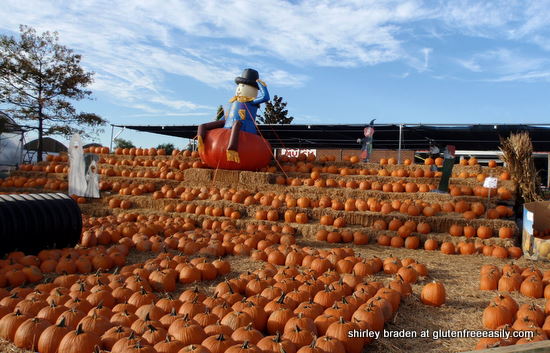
[341,320]
[62,322]
[138,345]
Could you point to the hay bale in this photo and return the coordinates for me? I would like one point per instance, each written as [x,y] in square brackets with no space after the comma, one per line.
[254,179]
[198,175]
[224,176]
[157,182]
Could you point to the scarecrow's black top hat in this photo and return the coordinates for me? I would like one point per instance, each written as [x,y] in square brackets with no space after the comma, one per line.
[248,77]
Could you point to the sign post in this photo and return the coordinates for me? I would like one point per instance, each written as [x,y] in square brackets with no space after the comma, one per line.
[490,183]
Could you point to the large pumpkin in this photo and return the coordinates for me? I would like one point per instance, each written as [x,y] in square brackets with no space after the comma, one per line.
[254,150]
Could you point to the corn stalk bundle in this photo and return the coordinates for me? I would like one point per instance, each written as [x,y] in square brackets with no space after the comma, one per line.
[517,153]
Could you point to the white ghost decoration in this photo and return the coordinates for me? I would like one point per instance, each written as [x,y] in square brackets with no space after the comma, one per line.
[92,190]
[77,180]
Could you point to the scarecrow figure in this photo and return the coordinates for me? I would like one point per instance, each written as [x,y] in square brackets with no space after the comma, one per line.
[366,142]
[77,181]
[242,113]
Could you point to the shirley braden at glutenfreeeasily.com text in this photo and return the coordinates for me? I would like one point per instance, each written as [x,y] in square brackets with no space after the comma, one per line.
[439,334]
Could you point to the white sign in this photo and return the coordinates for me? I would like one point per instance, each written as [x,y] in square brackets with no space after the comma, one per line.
[295,152]
[490,183]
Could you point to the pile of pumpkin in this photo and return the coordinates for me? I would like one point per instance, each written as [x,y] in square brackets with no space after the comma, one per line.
[271,199]
[504,313]
[405,238]
[317,293]
[161,233]
[34,182]
[150,152]
[74,313]
[18,269]
[317,181]
[404,230]
[401,186]
[530,282]
[276,201]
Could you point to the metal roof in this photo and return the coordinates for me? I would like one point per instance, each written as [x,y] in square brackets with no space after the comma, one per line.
[480,137]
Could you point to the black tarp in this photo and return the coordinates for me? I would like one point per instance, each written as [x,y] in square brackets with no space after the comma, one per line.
[414,137]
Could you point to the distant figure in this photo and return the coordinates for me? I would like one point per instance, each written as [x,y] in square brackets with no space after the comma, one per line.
[92,189]
[366,142]
[242,113]
[77,180]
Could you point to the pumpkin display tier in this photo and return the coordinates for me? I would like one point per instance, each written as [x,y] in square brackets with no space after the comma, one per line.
[254,150]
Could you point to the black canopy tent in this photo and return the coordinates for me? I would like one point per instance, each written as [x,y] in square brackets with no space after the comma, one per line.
[48,145]
[413,136]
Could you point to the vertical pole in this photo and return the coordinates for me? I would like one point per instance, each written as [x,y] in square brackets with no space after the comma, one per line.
[400,138]
[488,203]
[112,133]
[22,147]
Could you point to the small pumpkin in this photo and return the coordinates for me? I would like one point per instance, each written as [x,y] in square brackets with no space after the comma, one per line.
[433,294]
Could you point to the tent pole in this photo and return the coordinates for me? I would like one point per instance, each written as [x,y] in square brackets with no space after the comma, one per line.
[112,133]
[400,138]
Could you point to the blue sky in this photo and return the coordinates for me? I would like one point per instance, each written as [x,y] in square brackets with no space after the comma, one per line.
[160,62]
